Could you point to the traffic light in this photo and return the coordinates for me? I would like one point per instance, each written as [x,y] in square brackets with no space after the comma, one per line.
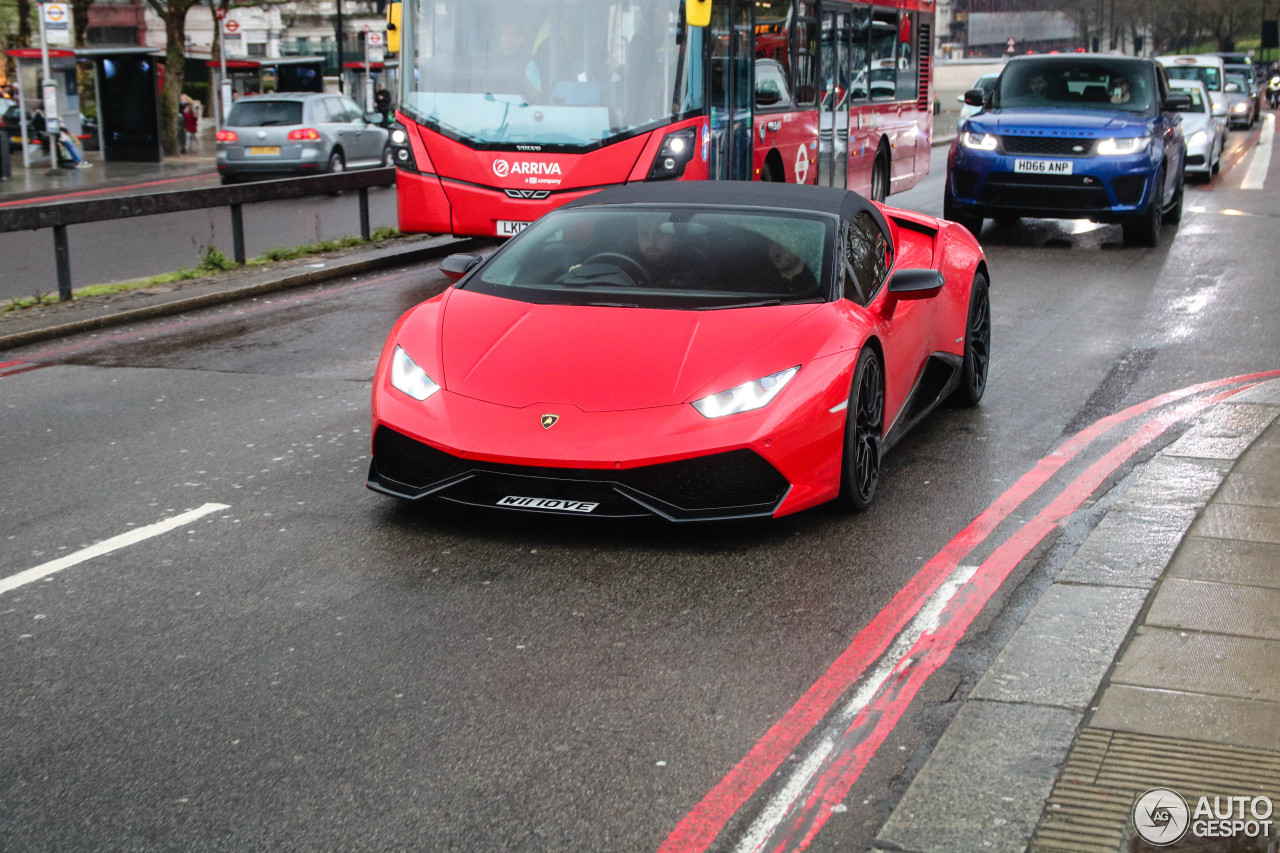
[393,26]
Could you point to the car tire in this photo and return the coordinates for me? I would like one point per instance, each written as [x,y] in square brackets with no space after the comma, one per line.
[337,164]
[977,345]
[863,433]
[880,178]
[1173,215]
[228,180]
[1145,230]
[951,212]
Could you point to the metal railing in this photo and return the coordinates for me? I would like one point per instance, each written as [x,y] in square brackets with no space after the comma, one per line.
[58,215]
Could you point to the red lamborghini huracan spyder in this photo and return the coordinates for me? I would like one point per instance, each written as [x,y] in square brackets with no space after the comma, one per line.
[692,351]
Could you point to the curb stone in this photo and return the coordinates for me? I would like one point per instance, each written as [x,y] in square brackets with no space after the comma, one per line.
[986,784]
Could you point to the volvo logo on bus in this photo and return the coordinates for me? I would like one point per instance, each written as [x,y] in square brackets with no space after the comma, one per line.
[528,193]
[502,168]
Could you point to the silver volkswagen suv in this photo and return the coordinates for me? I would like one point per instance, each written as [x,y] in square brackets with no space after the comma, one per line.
[298,133]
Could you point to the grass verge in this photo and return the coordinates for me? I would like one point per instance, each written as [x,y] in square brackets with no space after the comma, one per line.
[212,262]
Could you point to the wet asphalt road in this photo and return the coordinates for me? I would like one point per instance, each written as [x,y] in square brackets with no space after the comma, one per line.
[317,667]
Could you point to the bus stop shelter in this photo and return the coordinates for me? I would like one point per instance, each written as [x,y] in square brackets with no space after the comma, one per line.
[280,74]
[383,74]
[62,66]
[127,86]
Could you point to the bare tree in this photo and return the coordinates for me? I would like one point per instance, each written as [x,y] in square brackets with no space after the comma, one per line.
[174,15]
[24,23]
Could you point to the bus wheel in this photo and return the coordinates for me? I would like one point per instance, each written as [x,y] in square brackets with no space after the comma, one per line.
[880,178]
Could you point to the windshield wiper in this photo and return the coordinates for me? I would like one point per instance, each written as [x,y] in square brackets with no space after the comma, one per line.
[761,304]
[612,304]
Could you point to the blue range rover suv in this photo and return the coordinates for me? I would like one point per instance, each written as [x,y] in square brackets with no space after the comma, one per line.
[1080,136]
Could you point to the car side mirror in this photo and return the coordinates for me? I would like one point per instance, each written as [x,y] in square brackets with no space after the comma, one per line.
[1177,102]
[767,97]
[916,284]
[974,97]
[456,266]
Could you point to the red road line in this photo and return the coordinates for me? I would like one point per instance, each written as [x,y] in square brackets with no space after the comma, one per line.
[26,369]
[870,728]
[112,189]
[707,819]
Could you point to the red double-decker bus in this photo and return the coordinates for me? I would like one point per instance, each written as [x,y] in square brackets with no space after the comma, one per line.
[509,109]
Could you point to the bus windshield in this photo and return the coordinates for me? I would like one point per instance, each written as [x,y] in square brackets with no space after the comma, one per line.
[549,72]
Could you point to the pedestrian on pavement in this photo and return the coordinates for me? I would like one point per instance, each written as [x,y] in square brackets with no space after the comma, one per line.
[382,103]
[184,104]
[191,125]
[68,147]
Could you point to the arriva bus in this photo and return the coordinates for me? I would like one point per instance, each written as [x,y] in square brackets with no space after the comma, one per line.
[509,109]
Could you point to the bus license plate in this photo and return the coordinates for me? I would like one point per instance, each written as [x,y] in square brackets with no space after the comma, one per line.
[265,149]
[509,228]
[1043,167]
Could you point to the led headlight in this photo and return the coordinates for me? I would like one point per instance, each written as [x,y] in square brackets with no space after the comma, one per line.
[1122,146]
[750,395]
[1240,107]
[980,141]
[407,377]
[1198,138]
[401,149]
[674,154]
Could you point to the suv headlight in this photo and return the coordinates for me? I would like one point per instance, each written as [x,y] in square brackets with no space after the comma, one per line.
[1114,147]
[979,141]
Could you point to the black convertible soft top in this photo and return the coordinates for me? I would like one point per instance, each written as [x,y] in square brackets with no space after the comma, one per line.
[829,200]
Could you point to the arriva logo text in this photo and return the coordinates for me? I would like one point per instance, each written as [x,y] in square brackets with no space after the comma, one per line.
[502,168]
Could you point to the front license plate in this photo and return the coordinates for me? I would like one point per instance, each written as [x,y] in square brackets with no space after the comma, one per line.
[265,149]
[509,228]
[1043,167]
[547,503]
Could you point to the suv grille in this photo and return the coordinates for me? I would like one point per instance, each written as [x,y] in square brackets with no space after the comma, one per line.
[1053,146]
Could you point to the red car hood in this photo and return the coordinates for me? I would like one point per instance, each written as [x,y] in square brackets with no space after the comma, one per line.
[597,359]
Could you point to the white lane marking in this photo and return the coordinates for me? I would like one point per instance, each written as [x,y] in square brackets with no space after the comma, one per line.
[1257,174]
[115,543]
[784,801]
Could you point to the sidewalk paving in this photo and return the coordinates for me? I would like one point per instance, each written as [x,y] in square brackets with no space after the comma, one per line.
[1152,661]
[39,180]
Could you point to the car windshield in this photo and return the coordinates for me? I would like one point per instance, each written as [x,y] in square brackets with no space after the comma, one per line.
[1240,82]
[1207,75]
[265,113]
[549,72]
[1084,84]
[658,257]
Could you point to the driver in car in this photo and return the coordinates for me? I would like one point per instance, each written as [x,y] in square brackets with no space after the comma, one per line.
[795,276]
[667,257]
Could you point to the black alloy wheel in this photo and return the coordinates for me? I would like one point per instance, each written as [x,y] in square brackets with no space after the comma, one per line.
[1145,230]
[863,433]
[880,178]
[1173,215]
[977,345]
